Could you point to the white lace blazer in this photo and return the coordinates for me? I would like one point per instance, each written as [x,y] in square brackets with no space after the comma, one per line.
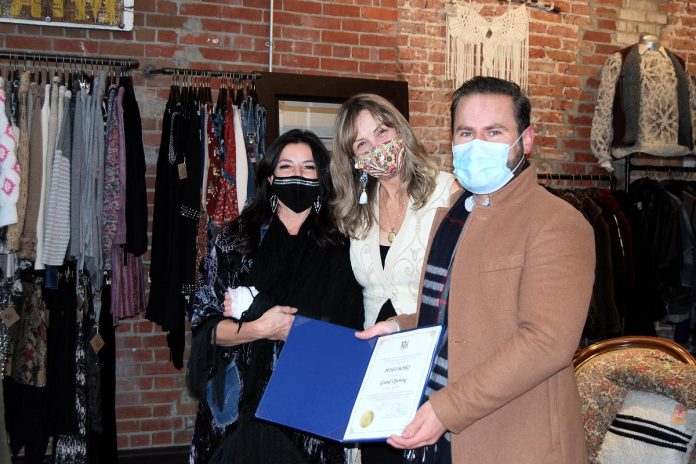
[399,279]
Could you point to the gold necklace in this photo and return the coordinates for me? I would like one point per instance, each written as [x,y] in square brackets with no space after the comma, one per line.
[391,233]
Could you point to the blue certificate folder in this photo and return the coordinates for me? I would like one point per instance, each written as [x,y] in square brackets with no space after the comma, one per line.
[317,379]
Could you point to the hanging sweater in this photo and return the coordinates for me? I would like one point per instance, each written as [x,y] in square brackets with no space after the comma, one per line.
[15,230]
[45,112]
[9,167]
[27,247]
[661,108]
[57,218]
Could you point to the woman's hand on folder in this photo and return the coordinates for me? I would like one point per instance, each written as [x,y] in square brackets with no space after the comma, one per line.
[381,328]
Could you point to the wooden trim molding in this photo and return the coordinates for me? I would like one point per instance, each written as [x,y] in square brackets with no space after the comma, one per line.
[667,346]
[273,87]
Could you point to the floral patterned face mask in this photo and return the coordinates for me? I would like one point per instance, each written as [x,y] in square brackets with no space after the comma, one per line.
[383,160]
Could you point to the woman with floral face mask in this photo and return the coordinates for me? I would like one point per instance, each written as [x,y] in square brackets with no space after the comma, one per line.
[281,257]
[387,190]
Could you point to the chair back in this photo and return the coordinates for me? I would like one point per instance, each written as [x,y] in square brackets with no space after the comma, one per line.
[670,347]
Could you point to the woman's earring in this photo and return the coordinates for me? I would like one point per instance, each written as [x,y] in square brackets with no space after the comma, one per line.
[317,204]
[363,184]
[274,203]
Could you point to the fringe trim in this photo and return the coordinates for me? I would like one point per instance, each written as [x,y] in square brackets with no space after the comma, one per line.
[478,47]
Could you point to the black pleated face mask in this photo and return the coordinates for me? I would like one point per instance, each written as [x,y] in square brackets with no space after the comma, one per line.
[296,192]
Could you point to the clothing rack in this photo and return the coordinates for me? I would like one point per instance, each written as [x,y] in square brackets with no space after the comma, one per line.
[550,176]
[149,71]
[548,7]
[27,59]
[630,167]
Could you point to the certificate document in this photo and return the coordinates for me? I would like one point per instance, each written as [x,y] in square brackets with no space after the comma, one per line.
[393,385]
[329,383]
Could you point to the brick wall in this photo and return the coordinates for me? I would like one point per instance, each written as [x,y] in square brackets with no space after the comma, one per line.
[383,39]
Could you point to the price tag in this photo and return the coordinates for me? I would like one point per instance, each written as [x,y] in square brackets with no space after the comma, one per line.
[679,415]
[9,316]
[182,171]
[97,343]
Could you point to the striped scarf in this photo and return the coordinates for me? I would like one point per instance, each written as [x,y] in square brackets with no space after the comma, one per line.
[433,310]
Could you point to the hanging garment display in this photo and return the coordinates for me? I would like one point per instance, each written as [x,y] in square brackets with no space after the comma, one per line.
[60,382]
[9,166]
[14,231]
[202,183]
[646,103]
[479,47]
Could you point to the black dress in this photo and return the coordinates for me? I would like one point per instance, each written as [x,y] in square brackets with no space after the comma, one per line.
[174,223]
[287,270]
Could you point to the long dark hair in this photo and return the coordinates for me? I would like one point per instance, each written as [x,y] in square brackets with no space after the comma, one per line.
[258,212]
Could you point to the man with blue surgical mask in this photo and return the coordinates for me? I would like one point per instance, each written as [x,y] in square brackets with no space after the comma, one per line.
[510,269]
[491,134]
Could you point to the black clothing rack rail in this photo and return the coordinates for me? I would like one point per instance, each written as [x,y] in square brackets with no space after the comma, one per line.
[29,59]
[550,176]
[149,71]
[630,167]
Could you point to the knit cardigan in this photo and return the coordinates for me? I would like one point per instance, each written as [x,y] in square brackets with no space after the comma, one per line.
[9,166]
[660,113]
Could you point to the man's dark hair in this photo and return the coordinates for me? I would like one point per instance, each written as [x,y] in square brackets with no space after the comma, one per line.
[494,86]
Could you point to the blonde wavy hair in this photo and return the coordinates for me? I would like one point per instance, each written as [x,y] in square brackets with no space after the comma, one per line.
[418,171]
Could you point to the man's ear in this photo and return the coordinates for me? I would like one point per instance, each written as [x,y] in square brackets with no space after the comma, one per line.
[528,140]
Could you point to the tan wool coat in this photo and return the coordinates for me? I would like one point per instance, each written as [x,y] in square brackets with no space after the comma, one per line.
[521,284]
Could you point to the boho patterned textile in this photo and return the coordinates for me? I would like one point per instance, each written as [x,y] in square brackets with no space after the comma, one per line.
[604,382]
[658,372]
[112,191]
[29,339]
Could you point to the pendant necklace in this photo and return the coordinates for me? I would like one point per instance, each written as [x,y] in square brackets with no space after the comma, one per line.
[391,233]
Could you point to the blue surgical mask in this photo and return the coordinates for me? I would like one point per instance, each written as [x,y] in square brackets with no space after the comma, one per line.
[481,167]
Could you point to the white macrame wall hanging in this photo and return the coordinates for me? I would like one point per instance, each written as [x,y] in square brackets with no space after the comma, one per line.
[479,47]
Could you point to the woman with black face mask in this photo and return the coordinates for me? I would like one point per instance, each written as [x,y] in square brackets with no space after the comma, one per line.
[283,256]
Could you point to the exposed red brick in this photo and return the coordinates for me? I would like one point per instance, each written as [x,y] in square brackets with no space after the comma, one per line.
[596,36]
[165,21]
[382,14]
[218,25]
[166,7]
[300,33]
[133,412]
[339,37]
[140,440]
[127,425]
[340,10]
[111,48]
[359,25]
[162,438]
[308,7]
[199,9]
